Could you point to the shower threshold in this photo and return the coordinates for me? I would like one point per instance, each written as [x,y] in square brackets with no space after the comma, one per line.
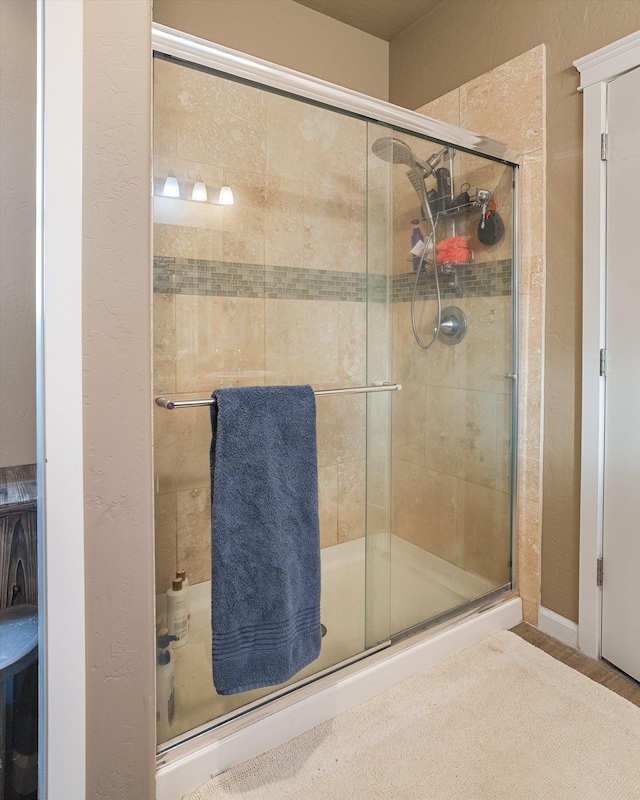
[423,589]
[457,617]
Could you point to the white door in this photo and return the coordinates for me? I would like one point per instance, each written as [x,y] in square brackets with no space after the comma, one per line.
[621,543]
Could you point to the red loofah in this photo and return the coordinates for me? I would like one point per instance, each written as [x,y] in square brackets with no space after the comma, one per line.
[453,250]
[452,241]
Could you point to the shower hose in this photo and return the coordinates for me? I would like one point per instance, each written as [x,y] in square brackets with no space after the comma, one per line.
[422,264]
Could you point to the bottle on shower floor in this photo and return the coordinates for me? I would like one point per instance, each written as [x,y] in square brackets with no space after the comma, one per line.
[165,686]
[177,620]
[182,574]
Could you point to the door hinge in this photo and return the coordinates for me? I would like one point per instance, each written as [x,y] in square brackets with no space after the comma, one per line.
[604,146]
[599,572]
[603,362]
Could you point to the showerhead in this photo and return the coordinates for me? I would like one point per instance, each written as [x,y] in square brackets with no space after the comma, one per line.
[396,151]
[393,150]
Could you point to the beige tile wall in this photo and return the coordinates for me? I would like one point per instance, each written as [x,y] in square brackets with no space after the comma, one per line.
[451,422]
[451,438]
[290,210]
[298,174]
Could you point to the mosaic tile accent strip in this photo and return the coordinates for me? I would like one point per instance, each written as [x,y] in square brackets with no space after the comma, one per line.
[488,279]
[315,284]
[194,276]
[226,279]
[197,276]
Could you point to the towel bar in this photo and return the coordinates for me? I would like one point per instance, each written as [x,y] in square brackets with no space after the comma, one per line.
[209,401]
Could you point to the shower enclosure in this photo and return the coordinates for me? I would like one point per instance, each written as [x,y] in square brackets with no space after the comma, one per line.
[355,255]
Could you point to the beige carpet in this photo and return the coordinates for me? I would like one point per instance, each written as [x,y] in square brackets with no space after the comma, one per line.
[499,720]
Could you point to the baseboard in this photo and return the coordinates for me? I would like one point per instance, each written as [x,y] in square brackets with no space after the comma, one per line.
[559,627]
[348,688]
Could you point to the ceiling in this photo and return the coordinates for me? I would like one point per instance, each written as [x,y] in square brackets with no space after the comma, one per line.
[382,18]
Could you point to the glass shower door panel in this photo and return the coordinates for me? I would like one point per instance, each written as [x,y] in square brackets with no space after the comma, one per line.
[379,405]
[451,423]
[271,290]
[208,333]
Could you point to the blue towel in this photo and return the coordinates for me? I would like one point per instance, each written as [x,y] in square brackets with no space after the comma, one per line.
[265,584]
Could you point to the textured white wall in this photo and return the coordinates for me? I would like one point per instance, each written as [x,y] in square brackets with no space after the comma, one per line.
[17,232]
[118,401]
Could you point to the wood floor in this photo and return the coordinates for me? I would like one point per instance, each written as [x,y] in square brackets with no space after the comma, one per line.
[599,671]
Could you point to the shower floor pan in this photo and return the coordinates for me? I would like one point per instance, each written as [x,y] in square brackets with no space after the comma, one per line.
[423,586]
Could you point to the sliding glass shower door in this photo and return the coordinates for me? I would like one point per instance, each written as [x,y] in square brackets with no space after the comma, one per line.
[269,290]
[296,244]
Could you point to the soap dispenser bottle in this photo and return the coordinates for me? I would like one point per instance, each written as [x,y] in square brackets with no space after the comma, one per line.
[177,621]
[165,687]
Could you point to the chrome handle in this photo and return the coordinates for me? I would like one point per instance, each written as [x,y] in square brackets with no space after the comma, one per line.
[512,376]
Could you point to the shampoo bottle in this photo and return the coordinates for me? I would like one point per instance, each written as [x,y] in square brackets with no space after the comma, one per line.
[417,244]
[177,622]
[165,687]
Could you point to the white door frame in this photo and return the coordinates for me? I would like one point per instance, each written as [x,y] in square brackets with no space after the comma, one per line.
[59,401]
[596,71]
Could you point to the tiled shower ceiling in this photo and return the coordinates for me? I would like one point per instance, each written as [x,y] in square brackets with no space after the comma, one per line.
[382,18]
